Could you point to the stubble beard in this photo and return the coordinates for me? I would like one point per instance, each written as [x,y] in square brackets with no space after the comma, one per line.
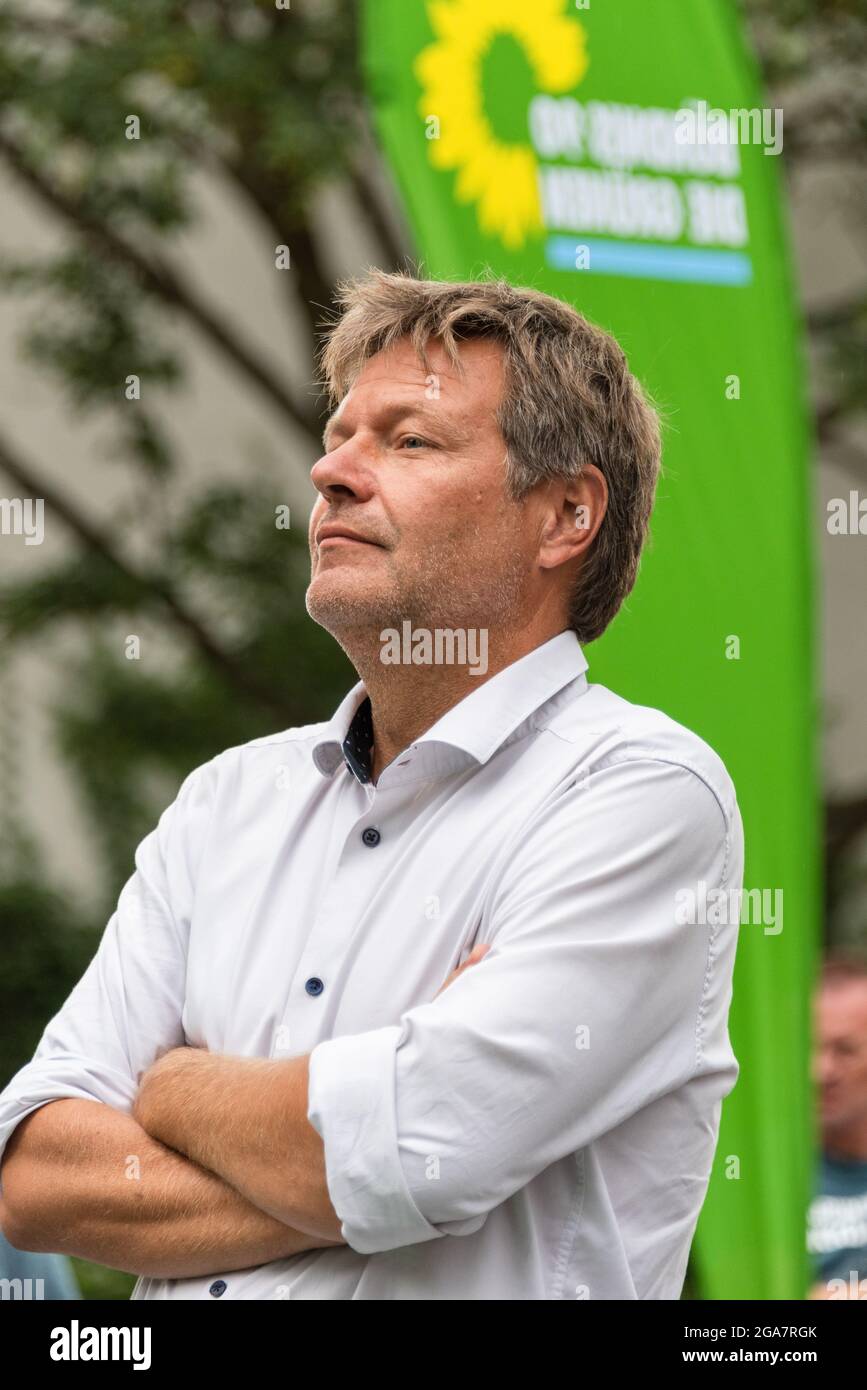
[438,593]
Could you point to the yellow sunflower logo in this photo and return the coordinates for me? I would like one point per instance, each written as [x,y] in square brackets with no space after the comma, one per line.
[491,151]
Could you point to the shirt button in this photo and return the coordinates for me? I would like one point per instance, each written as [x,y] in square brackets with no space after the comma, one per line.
[371,836]
[314,985]
[218,1287]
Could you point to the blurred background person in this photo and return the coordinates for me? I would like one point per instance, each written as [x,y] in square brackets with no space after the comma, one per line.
[837,1229]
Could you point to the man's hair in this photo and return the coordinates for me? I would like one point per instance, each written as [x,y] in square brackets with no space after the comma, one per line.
[842,966]
[569,399]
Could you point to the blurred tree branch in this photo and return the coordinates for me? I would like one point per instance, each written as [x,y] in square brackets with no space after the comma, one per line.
[158,278]
[139,584]
[266,105]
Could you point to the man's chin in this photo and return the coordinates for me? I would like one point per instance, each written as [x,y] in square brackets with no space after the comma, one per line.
[833,1117]
[338,605]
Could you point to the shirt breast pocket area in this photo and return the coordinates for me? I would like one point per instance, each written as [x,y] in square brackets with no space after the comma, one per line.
[393,974]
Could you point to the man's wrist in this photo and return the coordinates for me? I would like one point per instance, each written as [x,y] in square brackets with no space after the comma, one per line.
[164,1090]
[245,1119]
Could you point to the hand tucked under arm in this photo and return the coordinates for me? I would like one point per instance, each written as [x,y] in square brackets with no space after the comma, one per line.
[245,1119]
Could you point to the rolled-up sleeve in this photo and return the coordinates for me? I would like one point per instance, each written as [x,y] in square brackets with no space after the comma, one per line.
[593,1001]
[126,1009]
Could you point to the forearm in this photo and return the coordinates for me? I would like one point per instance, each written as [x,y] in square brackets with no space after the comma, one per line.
[81,1178]
[244,1118]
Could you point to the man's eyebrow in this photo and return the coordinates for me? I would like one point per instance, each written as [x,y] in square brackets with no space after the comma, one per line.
[390,415]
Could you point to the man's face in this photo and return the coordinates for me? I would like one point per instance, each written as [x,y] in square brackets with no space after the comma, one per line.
[415,463]
[841,1052]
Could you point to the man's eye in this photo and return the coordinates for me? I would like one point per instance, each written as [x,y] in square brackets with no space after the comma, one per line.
[414,440]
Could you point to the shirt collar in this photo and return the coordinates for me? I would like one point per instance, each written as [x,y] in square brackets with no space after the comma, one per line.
[477,725]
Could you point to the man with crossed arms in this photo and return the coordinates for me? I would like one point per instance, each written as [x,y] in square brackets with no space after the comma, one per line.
[260,1088]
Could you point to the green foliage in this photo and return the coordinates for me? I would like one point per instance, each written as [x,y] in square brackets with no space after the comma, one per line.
[95,1281]
[46,947]
[84,348]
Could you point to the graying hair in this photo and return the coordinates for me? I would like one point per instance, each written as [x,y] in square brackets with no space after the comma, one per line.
[569,399]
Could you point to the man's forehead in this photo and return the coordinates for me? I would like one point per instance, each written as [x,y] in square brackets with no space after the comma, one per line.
[397,377]
[402,362]
[845,1001]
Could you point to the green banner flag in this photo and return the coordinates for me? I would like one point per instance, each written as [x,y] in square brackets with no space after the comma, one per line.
[617,156]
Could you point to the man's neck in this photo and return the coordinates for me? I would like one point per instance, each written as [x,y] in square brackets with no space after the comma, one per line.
[406,700]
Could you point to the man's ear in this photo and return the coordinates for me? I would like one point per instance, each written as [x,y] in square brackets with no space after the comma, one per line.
[578,509]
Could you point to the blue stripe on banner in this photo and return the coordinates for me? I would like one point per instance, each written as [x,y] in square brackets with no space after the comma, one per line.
[646,262]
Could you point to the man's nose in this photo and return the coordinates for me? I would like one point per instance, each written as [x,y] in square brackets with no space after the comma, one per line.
[343,471]
[823,1067]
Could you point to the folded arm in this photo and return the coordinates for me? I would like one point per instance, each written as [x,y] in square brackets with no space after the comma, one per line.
[594,1000]
[80,1178]
[66,1128]
[245,1118]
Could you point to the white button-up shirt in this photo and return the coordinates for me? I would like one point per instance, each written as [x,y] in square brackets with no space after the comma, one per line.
[545,1128]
